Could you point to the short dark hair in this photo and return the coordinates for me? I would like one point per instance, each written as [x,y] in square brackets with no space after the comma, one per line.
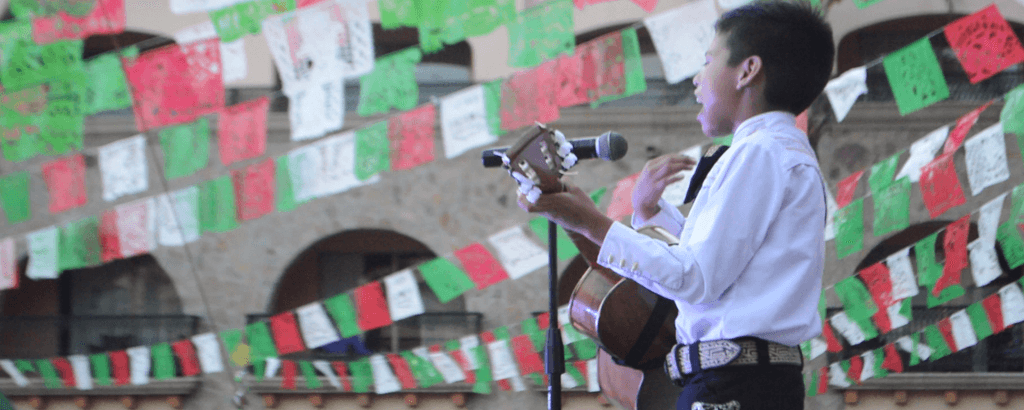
[795,45]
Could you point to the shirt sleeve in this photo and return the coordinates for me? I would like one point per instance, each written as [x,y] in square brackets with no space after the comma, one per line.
[741,203]
[668,218]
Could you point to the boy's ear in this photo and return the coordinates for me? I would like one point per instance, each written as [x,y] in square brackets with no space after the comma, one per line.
[750,68]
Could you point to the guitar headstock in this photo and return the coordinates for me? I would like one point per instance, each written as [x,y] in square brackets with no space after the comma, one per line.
[538,160]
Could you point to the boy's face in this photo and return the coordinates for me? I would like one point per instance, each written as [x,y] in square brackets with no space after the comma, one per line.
[717,89]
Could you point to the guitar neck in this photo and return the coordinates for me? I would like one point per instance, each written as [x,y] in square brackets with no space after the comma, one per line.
[588,249]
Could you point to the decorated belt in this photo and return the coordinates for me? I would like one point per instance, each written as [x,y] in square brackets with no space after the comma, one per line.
[687,359]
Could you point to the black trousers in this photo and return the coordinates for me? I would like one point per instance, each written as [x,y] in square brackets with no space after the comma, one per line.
[765,387]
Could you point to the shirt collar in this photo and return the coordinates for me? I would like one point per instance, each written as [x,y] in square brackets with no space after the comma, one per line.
[761,121]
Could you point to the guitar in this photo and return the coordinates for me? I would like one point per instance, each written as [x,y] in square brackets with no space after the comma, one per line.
[633,326]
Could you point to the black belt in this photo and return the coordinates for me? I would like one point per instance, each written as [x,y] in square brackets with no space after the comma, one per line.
[683,360]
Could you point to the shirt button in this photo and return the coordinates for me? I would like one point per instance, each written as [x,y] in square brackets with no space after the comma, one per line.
[622,264]
[611,259]
[635,266]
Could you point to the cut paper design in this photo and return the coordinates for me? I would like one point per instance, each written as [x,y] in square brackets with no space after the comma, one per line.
[464,121]
[412,137]
[123,167]
[915,76]
[186,148]
[175,84]
[523,100]
[481,266]
[106,17]
[391,84]
[541,33]
[254,189]
[242,130]
[680,35]
[843,91]
[65,180]
[517,253]
[984,43]
[940,187]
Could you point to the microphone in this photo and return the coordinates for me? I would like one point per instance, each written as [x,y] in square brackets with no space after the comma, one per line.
[609,146]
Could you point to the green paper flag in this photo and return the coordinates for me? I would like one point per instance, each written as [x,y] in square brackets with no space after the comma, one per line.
[812,384]
[571,370]
[258,335]
[399,13]
[284,196]
[492,102]
[362,375]
[24,366]
[929,272]
[586,349]
[1011,244]
[849,227]
[979,320]
[308,373]
[483,372]
[424,371]
[392,83]
[107,88]
[80,244]
[502,333]
[882,173]
[537,336]
[541,33]
[598,194]
[565,248]
[635,80]
[915,76]
[49,374]
[217,212]
[343,311]
[233,22]
[1012,115]
[231,339]
[892,207]
[186,148]
[373,152]
[863,4]
[726,140]
[915,358]
[100,368]
[14,197]
[163,361]
[856,298]
[451,21]
[28,64]
[934,338]
[1017,205]
[445,279]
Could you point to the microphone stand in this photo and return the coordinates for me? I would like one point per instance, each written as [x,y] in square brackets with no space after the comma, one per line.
[554,354]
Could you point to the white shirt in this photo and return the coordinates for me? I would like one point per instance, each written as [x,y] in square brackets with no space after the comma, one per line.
[751,255]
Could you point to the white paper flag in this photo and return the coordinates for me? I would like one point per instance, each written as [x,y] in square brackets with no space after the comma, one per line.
[123,167]
[1012,303]
[593,385]
[139,364]
[8,264]
[986,158]
[901,275]
[200,6]
[136,227]
[850,330]
[681,36]
[13,371]
[844,90]
[384,380]
[675,193]
[466,344]
[196,32]
[177,217]
[403,294]
[988,219]
[42,254]
[273,364]
[569,334]
[316,109]
[80,366]
[568,381]
[325,368]
[449,369]
[984,262]
[963,330]
[305,46]
[868,370]
[208,352]
[517,383]
[836,375]
[464,121]
[317,329]
[830,215]
[517,253]
[923,152]
[818,347]
[502,364]
[907,345]
[234,64]
[304,165]
[356,45]
[896,320]
[337,173]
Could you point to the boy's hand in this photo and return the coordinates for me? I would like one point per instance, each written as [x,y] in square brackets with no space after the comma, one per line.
[571,209]
[658,174]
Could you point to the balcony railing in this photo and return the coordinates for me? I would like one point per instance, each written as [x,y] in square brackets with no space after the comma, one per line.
[48,336]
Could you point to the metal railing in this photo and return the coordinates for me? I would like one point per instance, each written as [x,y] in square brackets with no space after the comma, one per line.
[48,336]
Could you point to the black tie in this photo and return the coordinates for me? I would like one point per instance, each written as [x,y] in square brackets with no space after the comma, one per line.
[703,167]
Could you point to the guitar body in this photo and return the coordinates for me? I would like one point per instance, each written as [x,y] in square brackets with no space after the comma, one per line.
[634,389]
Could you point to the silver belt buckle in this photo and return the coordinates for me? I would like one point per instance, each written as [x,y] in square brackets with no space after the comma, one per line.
[718,353]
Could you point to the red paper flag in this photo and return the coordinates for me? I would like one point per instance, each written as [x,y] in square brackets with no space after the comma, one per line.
[994,311]
[288,371]
[67,374]
[402,371]
[527,357]
[846,188]
[412,137]
[621,204]
[946,328]
[176,84]
[963,125]
[604,68]
[187,357]
[569,90]
[106,17]
[119,364]
[856,367]
[984,43]
[286,333]
[892,359]
[110,242]
[940,187]
[823,380]
[481,266]
[460,358]
[526,98]
[242,130]
[954,243]
[581,365]
[876,277]
[647,5]
[65,180]
[371,307]
[342,370]
[254,189]
[831,343]
[544,321]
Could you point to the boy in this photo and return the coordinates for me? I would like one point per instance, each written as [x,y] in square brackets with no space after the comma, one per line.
[746,275]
